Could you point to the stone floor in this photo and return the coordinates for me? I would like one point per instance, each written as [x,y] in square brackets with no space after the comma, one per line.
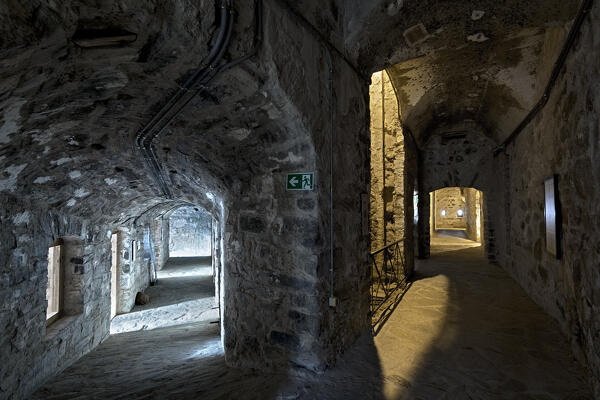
[184,292]
[464,330]
[443,241]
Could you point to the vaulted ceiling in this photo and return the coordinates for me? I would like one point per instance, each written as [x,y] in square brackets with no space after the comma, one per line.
[484,62]
[69,114]
[480,62]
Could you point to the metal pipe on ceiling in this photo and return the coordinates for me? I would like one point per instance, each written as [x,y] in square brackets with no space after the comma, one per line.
[207,71]
[165,115]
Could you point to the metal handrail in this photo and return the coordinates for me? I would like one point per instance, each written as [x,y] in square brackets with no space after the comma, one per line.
[388,275]
[385,247]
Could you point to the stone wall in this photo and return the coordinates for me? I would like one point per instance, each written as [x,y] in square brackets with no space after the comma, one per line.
[390,210]
[277,273]
[30,351]
[469,200]
[134,266]
[36,351]
[67,147]
[189,233]
[474,214]
[68,169]
[387,217]
[161,241]
[376,201]
[72,279]
[228,152]
[563,140]
[411,160]
[450,200]
[124,268]
[217,261]
[462,156]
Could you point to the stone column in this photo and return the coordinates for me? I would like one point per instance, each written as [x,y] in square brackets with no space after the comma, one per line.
[424,217]
[387,165]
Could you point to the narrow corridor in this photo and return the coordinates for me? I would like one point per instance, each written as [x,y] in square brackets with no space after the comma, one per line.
[464,330]
[184,292]
[443,241]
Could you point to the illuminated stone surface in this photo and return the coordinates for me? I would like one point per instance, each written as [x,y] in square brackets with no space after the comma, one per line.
[463,330]
[462,77]
[184,293]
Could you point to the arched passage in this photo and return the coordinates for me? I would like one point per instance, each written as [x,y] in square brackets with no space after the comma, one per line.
[461,158]
[166,271]
[228,152]
[80,80]
[457,213]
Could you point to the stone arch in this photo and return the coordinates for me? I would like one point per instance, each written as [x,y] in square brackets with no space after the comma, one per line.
[460,157]
[69,169]
[463,209]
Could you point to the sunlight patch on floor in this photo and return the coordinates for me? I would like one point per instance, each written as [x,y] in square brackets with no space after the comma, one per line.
[210,348]
[182,273]
[170,315]
[444,242]
[403,353]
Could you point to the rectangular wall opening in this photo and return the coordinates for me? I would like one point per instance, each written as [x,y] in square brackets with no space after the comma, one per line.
[54,289]
[114,269]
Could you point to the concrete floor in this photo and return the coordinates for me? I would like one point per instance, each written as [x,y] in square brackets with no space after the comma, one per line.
[184,292]
[464,330]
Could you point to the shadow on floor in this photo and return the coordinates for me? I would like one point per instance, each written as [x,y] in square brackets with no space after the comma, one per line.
[182,279]
[187,362]
[388,308]
[183,262]
[464,330]
[476,335]
[179,362]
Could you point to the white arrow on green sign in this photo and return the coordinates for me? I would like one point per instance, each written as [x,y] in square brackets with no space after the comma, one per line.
[301,181]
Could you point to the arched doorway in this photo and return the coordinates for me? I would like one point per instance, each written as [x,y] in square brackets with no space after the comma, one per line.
[456,218]
[166,270]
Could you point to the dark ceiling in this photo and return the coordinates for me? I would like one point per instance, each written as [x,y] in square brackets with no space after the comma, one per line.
[484,62]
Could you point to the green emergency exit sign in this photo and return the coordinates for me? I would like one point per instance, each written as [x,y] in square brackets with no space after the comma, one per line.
[301,181]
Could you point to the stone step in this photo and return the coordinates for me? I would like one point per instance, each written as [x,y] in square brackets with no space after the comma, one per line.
[174,314]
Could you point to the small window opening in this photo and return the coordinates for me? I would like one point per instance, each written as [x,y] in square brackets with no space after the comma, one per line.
[54,289]
[443,213]
[416,206]
[134,249]
[460,213]
[114,240]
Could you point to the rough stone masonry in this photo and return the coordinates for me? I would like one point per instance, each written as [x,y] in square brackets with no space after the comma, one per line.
[460,79]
